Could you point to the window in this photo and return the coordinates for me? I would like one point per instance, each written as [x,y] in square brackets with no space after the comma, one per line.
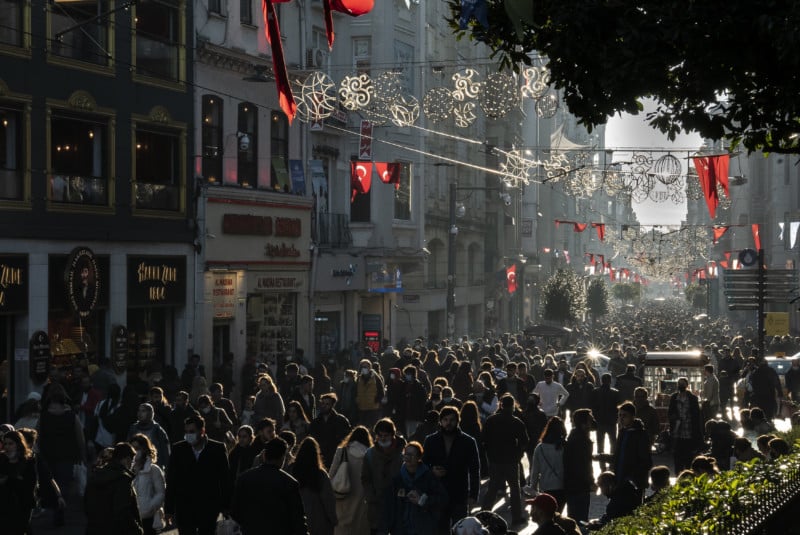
[11,30]
[402,194]
[216,7]
[212,139]
[246,11]
[78,160]
[279,144]
[158,170]
[247,137]
[362,53]
[361,206]
[11,155]
[158,41]
[79,30]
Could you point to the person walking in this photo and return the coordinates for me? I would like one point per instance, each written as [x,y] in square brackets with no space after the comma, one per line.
[351,510]
[296,420]
[578,471]
[243,453]
[711,401]
[381,462]
[685,425]
[329,428]
[146,425]
[369,394]
[628,382]
[269,403]
[198,484]
[604,409]
[316,492]
[552,395]
[632,459]
[110,497]
[505,438]
[221,402]
[547,471]
[149,483]
[267,499]
[17,484]
[647,413]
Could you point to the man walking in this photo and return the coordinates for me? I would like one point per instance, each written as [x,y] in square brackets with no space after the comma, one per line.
[685,425]
[711,399]
[552,395]
[329,428]
[110,498]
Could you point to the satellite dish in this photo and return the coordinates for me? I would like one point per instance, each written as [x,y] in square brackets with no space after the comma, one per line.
[748,257]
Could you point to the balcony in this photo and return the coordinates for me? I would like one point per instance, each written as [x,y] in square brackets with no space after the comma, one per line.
[156,197]
[72,189]
[332,230]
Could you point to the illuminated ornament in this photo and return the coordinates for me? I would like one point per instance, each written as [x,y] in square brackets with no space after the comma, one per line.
[377,112]
[581,183]
[667,169]
[499,96]
[467,87]
[438,104]
[387,86]
[547,106]
[516,168]
[405,110]
[355,91]
[536,82]
[317,97]
[557,167]
[464,114]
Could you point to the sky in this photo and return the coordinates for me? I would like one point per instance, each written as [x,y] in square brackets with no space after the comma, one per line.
[628,131]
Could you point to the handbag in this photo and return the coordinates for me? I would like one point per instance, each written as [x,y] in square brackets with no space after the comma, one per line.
[341,479]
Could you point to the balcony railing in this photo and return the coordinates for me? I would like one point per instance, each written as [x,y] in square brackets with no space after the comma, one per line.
[333,230]
[78,190]
[156,196]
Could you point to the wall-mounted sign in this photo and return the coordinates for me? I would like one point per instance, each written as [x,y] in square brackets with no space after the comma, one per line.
[252,225]
[272,283]
[289,227]
[281,250]
[156,280]
[411,298]
[39,356]
[223,294]
[82,281]
[13,284]
[372,339]
[119,349]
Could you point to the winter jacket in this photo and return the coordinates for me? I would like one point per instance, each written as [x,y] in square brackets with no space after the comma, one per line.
[157,436]
[547,472]
[578,471]
[376,476]
[329,431]
[150,489]
[632,456]
[111,502]
[369,392]
[505,438]
[462,463]
[406,518]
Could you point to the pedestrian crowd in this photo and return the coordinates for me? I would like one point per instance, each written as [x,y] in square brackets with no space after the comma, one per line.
[423,439]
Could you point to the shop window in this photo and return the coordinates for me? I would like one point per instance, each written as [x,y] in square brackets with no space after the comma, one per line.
[247,138]
[326,334]
[79,29]
[158,170]
[279,145]
[149,332]
[271,325]
[78,160]
[212,139]
[11,29]
[11,154]
[158,39]
[246,11]
[402,194]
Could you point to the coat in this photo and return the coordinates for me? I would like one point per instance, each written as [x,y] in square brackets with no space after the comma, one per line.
[157,436]
[378,469]
[329,432]
[406,518]
[111,502]
[547,471]
[268,497]
[463,466]
[351,510]
[578,471]
[505,438]
[632,457]
[150,489]
[197,487]
[320,507]
[17,494]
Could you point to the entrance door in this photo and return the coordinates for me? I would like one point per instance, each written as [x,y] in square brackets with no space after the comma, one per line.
[221,342]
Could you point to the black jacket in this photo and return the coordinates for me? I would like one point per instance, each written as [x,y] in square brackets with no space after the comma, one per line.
[111,502]
[463,465]
[505,438]
[632,457]
[604,405]
[329,433]
[267,498]
[197,487]
[578,472]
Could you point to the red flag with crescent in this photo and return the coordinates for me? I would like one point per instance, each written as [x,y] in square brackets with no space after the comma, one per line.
[720,231]
[354,8]
[579,227]
[511,278]
[389,173]
[601,230]
[360,178]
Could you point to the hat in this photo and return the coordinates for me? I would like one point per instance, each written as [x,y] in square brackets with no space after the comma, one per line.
[35,395]
[469,526]
[6,428]
[545,502]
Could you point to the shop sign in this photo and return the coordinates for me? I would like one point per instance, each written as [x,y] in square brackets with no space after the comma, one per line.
[39,356]
[119,349]
[372,339]
[273,283]
[247,224]
[223,294]
[82,281]
[13,283]
[156,280]
[411,298]
[281,250]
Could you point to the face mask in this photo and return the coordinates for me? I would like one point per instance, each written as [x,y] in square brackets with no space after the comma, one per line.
[392,376]
[364,371]
[191,438]
[346,380]
[384,443]
[409,378]
[206,410]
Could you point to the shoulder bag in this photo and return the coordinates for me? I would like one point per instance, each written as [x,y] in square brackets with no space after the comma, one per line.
[341,479]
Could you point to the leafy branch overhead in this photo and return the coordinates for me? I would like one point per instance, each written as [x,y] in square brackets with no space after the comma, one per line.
[723,69]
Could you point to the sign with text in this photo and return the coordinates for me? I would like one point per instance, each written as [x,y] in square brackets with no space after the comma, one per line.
[82,281]
[223,295]
[119,349]
[777,323]
[372,339]
[365,142]
[39,356]
[13,284]
[156,280]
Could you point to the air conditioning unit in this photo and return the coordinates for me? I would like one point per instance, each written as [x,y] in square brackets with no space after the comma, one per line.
[315,57]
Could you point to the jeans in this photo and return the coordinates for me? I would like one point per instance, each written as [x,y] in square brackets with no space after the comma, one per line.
[499,475]
[606,430]
[578,506]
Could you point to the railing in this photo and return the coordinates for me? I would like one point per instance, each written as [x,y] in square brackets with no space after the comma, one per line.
[156,196]
[333,230]
[769,508]
[78,190]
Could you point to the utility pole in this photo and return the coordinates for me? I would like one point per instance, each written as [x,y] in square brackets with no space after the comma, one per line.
[452,232]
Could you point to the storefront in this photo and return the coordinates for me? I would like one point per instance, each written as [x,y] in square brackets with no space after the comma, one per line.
[338,279]
[14,277]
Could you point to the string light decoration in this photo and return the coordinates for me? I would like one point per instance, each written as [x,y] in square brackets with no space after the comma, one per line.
[667,169]
[404,110]
[356,91]
[499,96]
[464,114]
[517,168]
[317,97]
[467,85]
[438,104]
[557,167]
[547,106]
[660,252]
[536,82]
[387,86]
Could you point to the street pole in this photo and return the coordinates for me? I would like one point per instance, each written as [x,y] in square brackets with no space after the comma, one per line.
[762,276]
[452,232]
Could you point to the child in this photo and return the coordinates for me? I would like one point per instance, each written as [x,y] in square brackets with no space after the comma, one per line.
[248,413]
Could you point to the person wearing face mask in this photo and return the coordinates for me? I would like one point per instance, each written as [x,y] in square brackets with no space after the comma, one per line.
[110,496]
[149,484]
[381,462]
[685,425]
[346,394]
[369,394]
[198,485]
[329,428]
[454,459]
[17,484]
[147,426]
[218,424]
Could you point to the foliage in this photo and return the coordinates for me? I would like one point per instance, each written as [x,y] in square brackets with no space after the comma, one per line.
[563,297]
[605,56]
[730,502]
[627,291]
[696,295]
[597,298]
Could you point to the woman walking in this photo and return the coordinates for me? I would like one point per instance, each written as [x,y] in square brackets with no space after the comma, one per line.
[17,484]
[316,492]
[149,484]
[547,473]
[351,510]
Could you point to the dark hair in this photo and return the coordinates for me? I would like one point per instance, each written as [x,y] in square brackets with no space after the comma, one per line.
[628,407]
[554,432]
[582,416]
[265,423]
[507,401]
[358,434]
[741,444]
[122,450]
[275,449]
[449,410]
[417,445]
[331,396]
[308,468]
[294,404]
[410,370]
[470,414]
[660,475]
[779,446]
[195,419]
[24,450]
[143,441]
[289,437]
[215,387]
[384,425]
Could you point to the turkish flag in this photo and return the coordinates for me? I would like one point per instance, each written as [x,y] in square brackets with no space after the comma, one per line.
[360,178]
[719,231]
[601,230]
[756,237]
[579,227]
[389,173]
[511,278]
[712,170]
[273,34]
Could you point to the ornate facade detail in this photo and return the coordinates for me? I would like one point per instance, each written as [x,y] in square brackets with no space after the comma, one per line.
[159,114]
[82,100]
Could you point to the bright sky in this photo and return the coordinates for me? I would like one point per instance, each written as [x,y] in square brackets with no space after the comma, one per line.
[630,131]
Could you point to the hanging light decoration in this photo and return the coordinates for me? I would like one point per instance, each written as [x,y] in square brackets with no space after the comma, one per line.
[356,91]
[317,97]
[536,82]
[467,85]
[499,96]
[438,104]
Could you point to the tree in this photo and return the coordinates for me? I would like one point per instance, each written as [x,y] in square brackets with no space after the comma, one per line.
[696,295]
[563,297]
[627,291]
[722,69]
[597,299]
